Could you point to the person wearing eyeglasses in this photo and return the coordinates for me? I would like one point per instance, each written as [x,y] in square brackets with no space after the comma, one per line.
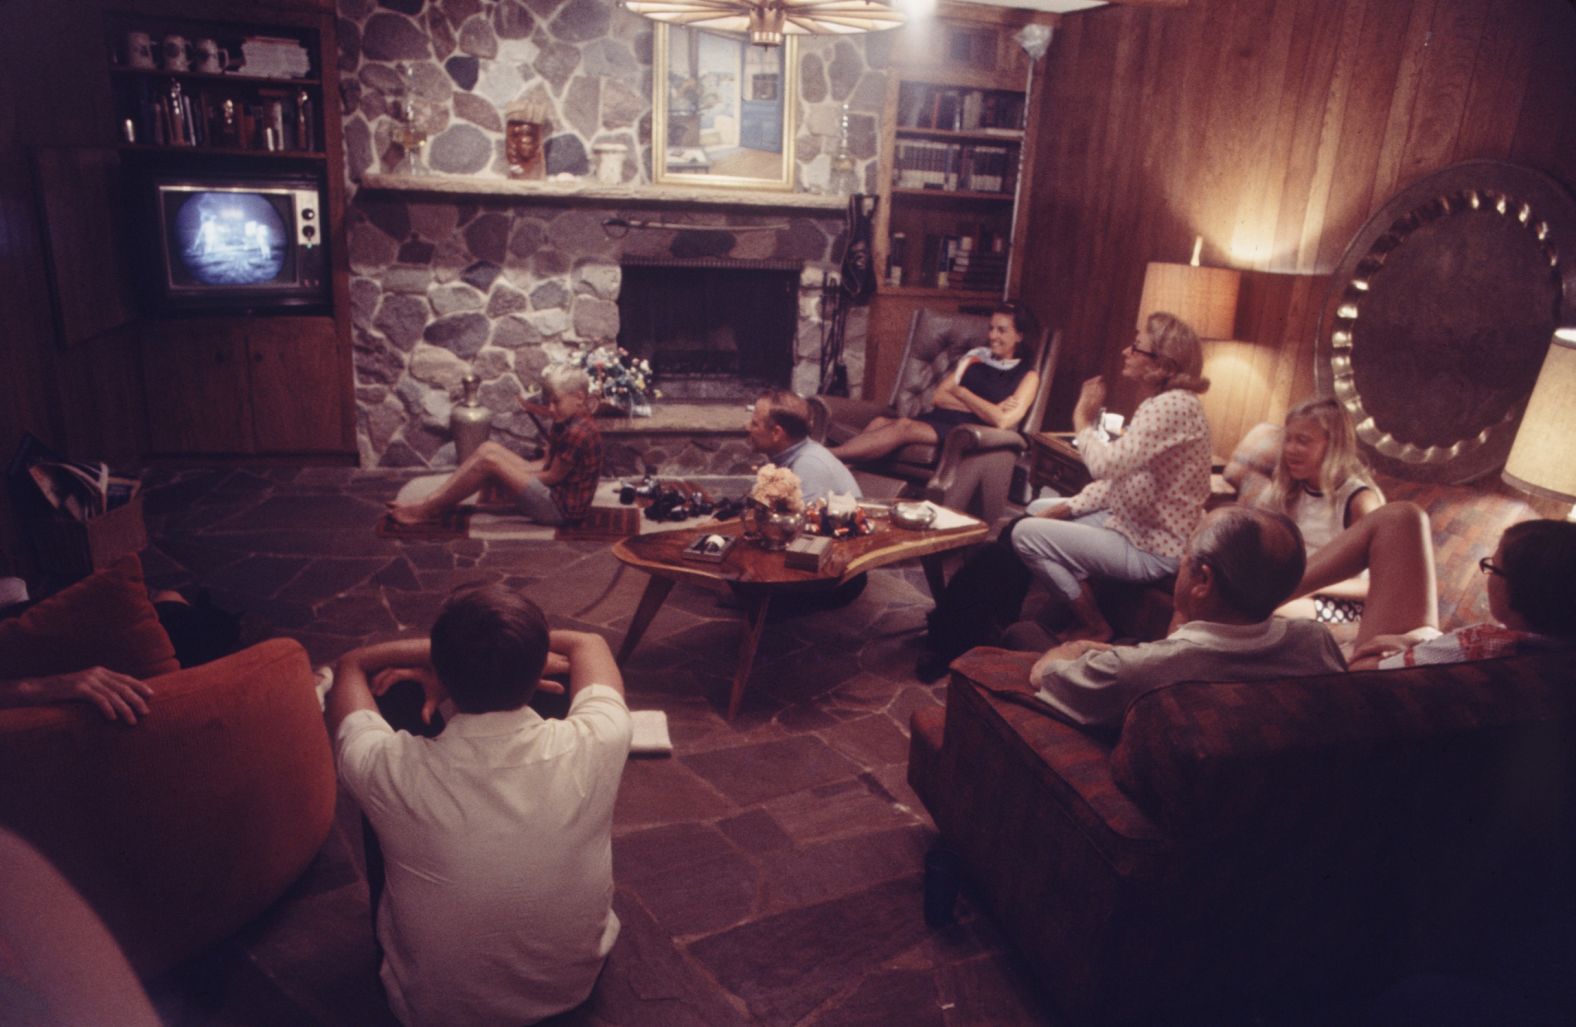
[1530,580]
[1131,523]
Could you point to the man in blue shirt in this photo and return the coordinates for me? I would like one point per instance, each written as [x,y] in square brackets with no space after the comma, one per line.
[780,430]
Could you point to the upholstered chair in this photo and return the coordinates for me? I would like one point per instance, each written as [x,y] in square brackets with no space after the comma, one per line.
[971,468]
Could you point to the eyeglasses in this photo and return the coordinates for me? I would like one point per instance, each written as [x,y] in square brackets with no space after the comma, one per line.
[1151,354]
[1488,566]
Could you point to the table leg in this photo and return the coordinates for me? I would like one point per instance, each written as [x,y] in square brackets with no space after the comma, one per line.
[933,575]
[754,622]
[657,590]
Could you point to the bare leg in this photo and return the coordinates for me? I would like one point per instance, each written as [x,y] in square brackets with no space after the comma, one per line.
[882,436]
[490,465]
[1395,545]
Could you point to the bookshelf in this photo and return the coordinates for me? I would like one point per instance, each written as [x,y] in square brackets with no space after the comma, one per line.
[217,88]
[955,137]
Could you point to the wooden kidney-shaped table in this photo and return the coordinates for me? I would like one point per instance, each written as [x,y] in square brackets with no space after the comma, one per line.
[758,575]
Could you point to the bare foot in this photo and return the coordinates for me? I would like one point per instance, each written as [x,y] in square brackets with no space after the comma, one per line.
[410,515]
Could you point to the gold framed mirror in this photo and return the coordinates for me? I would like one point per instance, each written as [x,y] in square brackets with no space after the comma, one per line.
[723,111]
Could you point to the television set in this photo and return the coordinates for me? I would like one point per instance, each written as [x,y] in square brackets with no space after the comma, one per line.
[238,244]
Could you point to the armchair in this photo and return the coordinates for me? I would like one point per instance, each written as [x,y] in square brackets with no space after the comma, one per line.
[972,466]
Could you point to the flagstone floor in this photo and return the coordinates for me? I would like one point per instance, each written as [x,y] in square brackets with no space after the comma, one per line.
[767,872]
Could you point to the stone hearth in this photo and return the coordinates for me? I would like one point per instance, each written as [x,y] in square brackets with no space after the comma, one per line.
[453,278]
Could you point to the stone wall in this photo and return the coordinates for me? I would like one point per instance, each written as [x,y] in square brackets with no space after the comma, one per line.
[441,285]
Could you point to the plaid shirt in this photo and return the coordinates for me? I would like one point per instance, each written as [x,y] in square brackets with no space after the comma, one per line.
[577,442]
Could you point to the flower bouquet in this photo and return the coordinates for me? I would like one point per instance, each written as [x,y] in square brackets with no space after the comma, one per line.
[774,514]
[618,380]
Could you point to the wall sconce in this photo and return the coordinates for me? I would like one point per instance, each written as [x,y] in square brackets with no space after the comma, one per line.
[1204,297]
[1540,462]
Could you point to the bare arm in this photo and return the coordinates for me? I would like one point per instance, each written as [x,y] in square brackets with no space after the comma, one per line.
[590,660]
[1004,415]
[352,690]
[116,695]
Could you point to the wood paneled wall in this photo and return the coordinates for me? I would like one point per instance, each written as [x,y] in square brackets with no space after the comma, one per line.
[1273,129]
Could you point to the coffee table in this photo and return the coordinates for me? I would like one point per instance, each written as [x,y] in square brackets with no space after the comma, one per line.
[758,575]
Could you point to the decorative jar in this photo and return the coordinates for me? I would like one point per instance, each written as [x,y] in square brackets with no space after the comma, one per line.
[778,528]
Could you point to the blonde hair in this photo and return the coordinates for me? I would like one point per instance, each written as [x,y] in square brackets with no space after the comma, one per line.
[1180,363]
[565,380]
[1341,457]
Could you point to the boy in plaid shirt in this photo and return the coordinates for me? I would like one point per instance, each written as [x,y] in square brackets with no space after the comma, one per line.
[558,492]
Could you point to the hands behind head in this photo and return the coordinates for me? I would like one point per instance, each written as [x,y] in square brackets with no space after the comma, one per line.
[423,674]
[117,696]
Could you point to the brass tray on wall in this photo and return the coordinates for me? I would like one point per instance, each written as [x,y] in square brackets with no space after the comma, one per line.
[1440,313]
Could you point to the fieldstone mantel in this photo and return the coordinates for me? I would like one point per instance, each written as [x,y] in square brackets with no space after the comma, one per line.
[581,191]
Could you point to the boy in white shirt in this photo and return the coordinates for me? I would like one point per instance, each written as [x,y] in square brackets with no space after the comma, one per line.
[496,834]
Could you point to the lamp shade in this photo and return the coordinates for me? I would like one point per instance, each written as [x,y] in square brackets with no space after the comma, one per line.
[1204,297]
[1541,459]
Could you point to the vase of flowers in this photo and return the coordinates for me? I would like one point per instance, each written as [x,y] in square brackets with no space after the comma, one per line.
[620,383]
[777,516]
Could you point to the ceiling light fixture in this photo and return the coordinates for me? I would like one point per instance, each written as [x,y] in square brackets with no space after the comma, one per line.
[768,21]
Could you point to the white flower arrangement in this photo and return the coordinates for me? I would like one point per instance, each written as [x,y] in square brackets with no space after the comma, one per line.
[777,489]
[617,378]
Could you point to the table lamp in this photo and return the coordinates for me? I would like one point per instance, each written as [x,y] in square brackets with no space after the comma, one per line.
[1204,297]
[1541,459]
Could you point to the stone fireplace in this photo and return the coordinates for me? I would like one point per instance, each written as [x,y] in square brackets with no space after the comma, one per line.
[464,270]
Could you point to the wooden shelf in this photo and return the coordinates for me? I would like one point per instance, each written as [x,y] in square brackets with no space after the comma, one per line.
[224,151]
[952,195]
[934,292]
[221,76]
[982,135]
[585,191]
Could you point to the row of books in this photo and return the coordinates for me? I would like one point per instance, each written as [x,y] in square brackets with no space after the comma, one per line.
[921,105]
[974,262]
[258,119]
[980,168]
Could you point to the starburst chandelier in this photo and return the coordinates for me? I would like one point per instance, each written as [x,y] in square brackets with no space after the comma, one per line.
[768,21]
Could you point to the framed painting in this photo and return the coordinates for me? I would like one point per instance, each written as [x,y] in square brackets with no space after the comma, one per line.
[722,110]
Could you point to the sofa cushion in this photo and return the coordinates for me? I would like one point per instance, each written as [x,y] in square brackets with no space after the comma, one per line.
[1208,759]
[104,619]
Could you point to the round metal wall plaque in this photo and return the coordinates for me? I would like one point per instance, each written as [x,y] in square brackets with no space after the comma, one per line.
[1440,314]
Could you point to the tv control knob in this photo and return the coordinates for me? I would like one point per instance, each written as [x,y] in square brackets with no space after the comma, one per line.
[308,231]
[308,214]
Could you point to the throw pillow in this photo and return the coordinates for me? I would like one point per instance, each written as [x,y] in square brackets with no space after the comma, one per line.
[104,619]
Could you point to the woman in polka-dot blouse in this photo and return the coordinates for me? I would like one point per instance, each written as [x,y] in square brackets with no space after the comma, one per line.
[1133,521]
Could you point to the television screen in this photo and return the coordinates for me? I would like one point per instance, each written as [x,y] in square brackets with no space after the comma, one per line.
[229,237]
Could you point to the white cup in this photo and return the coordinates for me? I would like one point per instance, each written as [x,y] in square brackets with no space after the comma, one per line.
[209,57]
[176,53]
[1112,423]
[139,50]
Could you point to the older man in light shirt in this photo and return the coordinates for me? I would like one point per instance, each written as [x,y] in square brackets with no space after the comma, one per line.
[1240,564]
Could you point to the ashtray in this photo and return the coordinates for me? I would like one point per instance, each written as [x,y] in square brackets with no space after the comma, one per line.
[913,516]
[710,548]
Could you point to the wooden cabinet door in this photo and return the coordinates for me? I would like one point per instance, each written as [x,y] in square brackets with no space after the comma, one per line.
[295,385]
[195,380]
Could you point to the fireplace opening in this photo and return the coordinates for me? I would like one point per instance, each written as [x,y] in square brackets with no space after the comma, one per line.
[713,328]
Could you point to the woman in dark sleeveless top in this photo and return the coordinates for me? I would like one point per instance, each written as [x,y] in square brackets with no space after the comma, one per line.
[992,385]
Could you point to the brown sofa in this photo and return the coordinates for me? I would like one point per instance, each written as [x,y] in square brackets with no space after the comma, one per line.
[1242,845]
[180,829]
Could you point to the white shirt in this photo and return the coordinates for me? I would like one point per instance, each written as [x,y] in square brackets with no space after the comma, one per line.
[1095,689]
[1155,478]
[497,840]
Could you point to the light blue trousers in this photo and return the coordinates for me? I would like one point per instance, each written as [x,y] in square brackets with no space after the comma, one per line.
[1063,554]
